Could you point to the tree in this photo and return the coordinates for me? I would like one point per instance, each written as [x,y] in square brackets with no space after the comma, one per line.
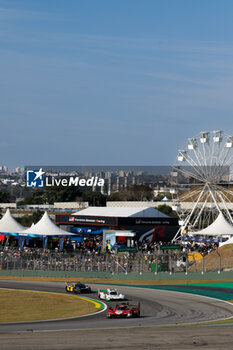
[4,197]
[61,194]
[166,209]
[35,198]
[27,220]
[161,195]
[94,198]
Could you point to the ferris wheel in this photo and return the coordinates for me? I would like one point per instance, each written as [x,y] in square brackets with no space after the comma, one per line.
[201,181]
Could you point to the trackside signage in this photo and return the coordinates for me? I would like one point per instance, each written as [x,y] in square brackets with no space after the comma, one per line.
[38,178]
[86,220]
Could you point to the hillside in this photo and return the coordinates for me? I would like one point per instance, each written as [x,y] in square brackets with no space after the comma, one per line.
[212,261]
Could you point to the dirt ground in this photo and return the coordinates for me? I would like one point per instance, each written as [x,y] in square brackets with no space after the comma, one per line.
[212,260]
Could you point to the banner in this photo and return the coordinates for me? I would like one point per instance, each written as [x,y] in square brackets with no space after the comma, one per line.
[21,242]
[62,239]
[45,242]
[202,239]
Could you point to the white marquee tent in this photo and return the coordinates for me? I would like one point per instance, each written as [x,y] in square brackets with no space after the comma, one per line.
[220,227]
[229,241]
[8,224]
[45,227]
[22,233]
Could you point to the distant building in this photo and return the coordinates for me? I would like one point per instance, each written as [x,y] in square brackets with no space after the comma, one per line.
[3,168]
[145,222]
[19,170]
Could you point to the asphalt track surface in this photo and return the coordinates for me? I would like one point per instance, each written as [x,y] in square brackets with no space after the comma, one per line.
[158,308]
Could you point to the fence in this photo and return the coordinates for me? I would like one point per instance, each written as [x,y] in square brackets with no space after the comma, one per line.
[125,263]
[212,263]
[134,262]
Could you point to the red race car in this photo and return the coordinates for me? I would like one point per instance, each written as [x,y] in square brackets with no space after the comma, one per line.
[124,311]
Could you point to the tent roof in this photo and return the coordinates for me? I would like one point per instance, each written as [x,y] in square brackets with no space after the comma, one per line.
[220,227]
[229,241]
[22,233]
[8,224]
[121,212]
[45,227]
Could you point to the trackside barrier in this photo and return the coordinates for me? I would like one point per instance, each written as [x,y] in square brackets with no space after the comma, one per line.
[120,263]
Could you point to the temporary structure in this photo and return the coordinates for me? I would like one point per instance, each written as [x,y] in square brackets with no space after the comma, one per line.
[229,241]
[22,233]
[9,225]
[45,227]
[220,227]
[121,212]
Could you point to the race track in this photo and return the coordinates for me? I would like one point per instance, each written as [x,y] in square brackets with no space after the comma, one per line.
[158,307]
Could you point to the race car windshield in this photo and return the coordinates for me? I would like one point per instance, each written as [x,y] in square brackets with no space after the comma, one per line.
[122,307]
[80,285]
[113,293]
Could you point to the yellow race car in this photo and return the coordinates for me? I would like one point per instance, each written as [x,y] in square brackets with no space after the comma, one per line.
[77,287]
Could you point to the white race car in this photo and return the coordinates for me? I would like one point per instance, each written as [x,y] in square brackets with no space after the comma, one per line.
[110,294]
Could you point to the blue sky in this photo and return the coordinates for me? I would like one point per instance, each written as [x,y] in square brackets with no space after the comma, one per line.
[112,82]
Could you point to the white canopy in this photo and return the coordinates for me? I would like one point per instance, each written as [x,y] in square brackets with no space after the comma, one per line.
[229,241]
[21,233]
[45,227]
[220,227]
[8,224]
[121,212]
